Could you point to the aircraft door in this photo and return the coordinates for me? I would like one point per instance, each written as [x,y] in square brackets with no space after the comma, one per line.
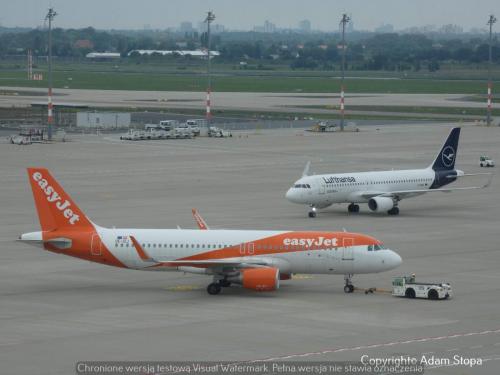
[96,245]
[322,187]
[348,249]
[247,248]
[347,262]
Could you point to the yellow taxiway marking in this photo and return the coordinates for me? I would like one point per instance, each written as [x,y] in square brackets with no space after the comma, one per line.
[299,276]
[183,288]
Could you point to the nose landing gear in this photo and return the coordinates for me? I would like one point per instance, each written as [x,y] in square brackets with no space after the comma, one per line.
[312,211]
[348,288]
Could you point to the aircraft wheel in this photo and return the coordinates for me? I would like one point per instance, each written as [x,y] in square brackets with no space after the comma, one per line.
[349,288]
[312,214]
[354,208]
[214,288]
[393,211]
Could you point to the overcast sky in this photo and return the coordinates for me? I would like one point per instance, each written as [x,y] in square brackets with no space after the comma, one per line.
[244,14]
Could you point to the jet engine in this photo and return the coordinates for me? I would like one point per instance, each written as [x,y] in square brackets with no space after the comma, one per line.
[261,279]
[380,204]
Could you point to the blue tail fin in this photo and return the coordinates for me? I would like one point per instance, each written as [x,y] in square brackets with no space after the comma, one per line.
[445,160]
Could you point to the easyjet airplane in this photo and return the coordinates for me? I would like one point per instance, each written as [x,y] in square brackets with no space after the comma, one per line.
[256,260]
[381,190]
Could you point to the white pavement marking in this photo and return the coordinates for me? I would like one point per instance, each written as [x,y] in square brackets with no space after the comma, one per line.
[380,345]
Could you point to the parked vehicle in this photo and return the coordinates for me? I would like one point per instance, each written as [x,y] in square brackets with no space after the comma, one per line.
[486,161]
[218,132]
[407,286]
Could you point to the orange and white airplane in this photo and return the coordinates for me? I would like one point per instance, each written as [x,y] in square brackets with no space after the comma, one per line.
[255,259]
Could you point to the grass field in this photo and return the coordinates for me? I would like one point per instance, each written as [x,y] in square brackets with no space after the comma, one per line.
[156,77]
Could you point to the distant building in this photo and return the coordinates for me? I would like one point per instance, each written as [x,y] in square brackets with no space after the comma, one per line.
[202,27]
[217,28]
[84,44]
[186,27]
[103,120]
[268,27]
[305,26]
[194,53]
[103,55]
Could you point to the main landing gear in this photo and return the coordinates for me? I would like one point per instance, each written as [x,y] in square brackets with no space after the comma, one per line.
[393,211]
[216,287]
[354,208]
[312,211]
[348,288]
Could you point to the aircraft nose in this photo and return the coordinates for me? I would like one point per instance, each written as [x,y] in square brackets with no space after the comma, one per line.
[291,195]
[393,260]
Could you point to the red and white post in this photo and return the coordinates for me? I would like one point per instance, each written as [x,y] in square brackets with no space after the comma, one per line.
[209,113]
[342,103]
[490,99]
[50,119]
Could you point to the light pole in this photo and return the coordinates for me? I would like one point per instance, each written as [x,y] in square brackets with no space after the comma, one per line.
[345,19]
[491,21]
[50,16]
[210,18]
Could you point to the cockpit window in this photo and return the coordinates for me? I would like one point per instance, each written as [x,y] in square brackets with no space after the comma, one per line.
[302,186]
[379,247]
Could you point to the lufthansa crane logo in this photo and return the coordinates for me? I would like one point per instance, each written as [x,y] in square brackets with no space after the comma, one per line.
[448,156]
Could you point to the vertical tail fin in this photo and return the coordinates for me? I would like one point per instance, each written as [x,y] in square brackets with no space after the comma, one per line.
[56,209]
[445,160]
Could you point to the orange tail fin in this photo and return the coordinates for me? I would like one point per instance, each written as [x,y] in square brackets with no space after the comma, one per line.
[56,209]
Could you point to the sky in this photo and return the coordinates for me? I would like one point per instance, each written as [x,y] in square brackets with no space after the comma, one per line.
[244,14]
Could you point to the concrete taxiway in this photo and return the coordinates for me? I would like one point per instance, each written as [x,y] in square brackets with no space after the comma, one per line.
[57,310]
[240,101]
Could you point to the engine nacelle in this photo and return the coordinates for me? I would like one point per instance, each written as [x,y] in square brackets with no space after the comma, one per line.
[380,204]
[261,279]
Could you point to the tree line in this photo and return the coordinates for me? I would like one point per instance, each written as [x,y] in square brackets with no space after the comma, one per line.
[368,51]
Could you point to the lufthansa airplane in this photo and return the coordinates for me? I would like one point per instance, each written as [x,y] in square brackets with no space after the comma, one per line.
[381,190]
[254,259]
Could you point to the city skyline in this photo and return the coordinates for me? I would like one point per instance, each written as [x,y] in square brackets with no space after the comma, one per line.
[283,14]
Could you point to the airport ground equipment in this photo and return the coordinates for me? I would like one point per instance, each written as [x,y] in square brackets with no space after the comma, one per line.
[216,132]
[486,161]
[407,286]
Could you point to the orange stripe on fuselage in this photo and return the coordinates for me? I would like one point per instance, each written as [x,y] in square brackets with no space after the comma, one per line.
[277,245]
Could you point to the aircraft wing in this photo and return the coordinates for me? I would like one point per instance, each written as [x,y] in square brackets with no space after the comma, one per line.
[401,194]
[202,224]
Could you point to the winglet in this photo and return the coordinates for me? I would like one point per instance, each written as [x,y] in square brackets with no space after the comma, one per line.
[306,169]
[199,220]
[140,251]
